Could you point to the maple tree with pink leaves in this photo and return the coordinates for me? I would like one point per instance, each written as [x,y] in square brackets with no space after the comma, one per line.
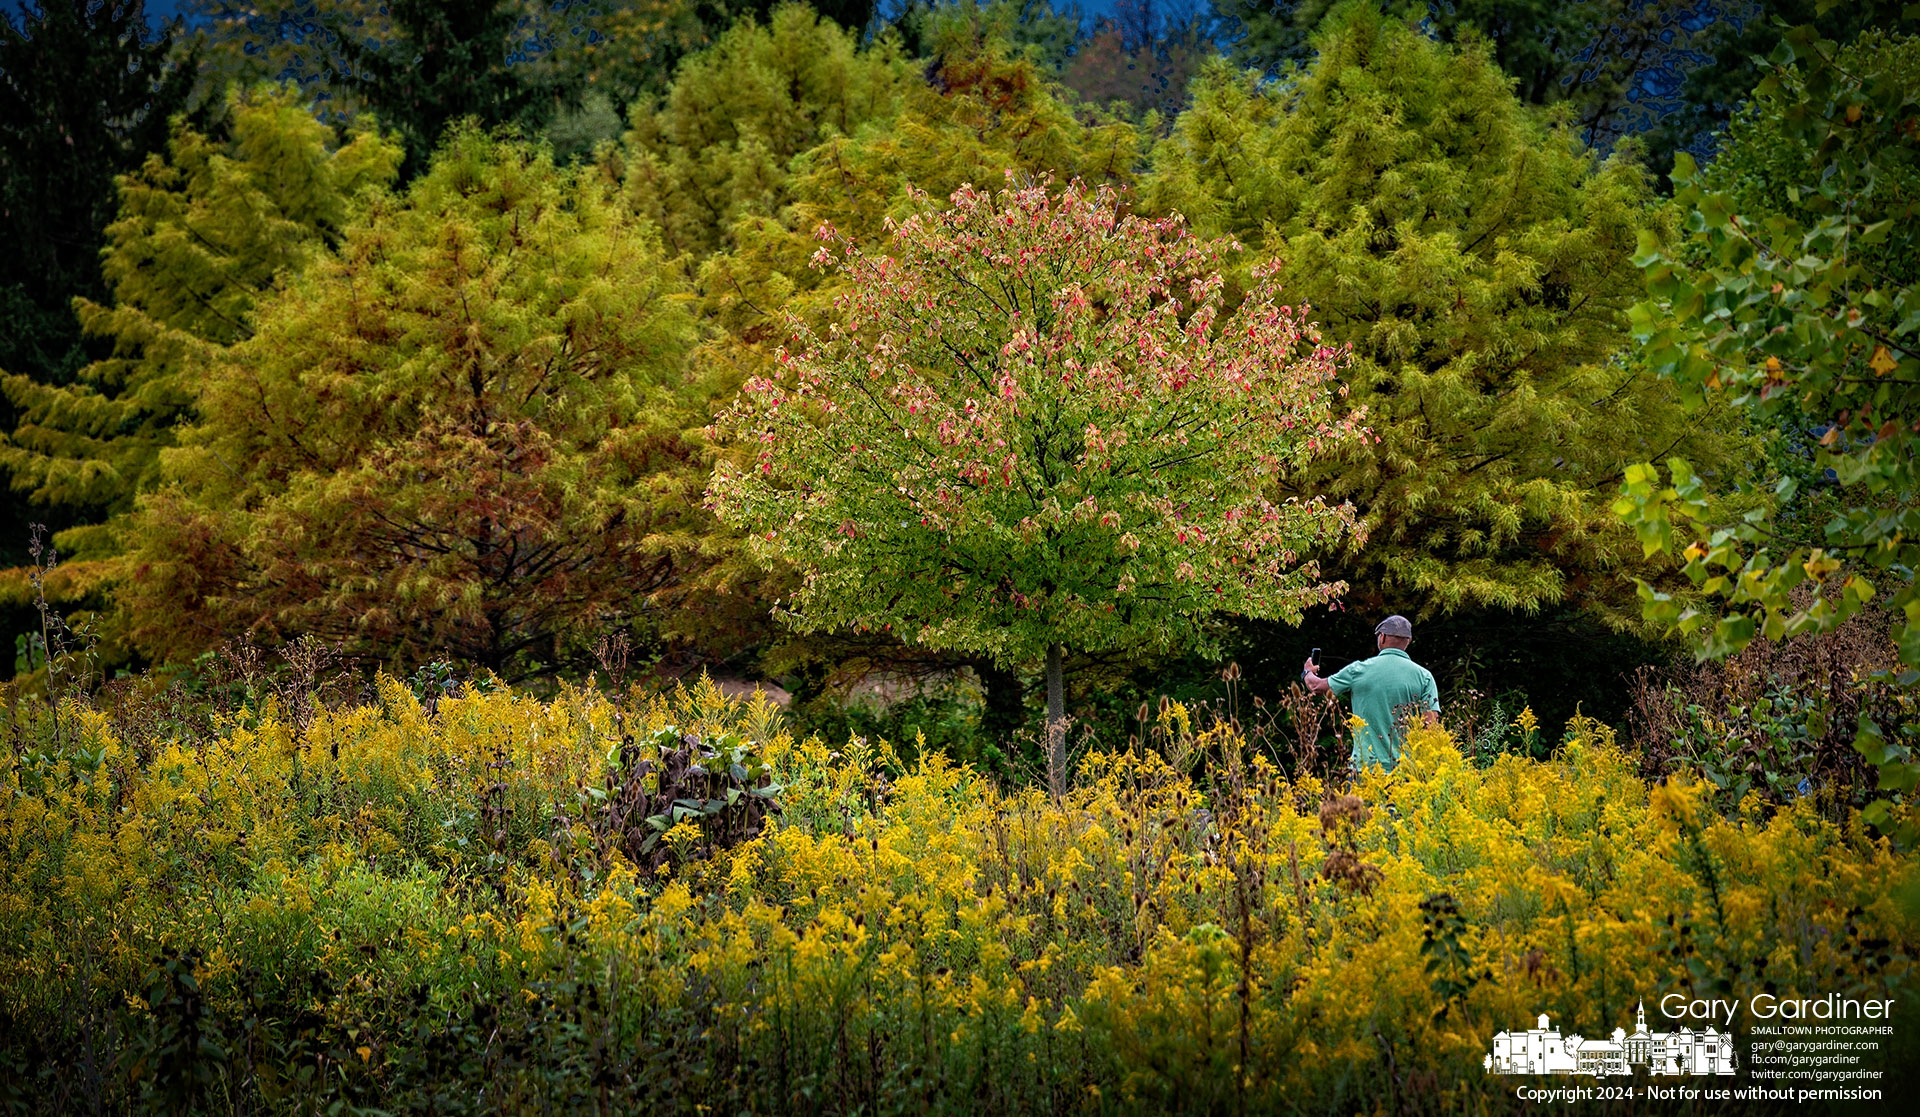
[1033,430]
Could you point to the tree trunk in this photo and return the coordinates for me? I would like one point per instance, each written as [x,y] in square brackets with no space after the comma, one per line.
[1004,695]
[1056,724]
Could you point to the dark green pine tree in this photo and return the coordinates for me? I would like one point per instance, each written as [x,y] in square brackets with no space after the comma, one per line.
[202,233]
[85,93]
[854,15]
[450,60]
[86,90]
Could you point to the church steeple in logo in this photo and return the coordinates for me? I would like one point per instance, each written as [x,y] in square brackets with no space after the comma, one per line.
[1543,1050]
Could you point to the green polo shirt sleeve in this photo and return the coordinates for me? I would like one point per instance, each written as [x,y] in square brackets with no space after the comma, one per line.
[1428,691]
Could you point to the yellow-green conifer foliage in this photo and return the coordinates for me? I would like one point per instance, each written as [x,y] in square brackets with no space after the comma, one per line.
[459,435]
[1477,260]
[202,232]
[976,113]
[718,147]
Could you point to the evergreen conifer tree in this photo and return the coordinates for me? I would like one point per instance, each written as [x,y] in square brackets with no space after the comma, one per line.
[980,111]
[86,90]
[448,60]
[456,436]
[202,233]
[1477,261]
[718,147]
[1611,61]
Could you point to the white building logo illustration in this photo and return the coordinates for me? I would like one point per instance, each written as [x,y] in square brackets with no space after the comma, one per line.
[1543,1050]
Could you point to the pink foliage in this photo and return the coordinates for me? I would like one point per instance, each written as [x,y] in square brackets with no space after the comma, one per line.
[1032,404]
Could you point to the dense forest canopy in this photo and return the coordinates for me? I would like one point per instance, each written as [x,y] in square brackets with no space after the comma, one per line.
[1456,195]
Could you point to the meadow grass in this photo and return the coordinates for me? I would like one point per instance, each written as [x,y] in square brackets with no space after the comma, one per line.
[437,907]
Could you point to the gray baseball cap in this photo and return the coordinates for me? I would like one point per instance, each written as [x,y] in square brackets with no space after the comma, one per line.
[1395,625]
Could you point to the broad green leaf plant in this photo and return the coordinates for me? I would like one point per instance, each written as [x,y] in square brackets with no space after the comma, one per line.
[1792,296]
[1033,430]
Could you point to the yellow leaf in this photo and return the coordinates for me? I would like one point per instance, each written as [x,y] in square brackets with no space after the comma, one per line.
[1853,114]
[1882,361]
[365,1052]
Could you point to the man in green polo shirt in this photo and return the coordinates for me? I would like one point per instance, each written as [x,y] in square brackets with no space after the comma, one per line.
[1391,681]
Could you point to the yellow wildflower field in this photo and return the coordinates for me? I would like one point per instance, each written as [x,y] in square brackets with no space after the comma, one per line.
[390,907]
